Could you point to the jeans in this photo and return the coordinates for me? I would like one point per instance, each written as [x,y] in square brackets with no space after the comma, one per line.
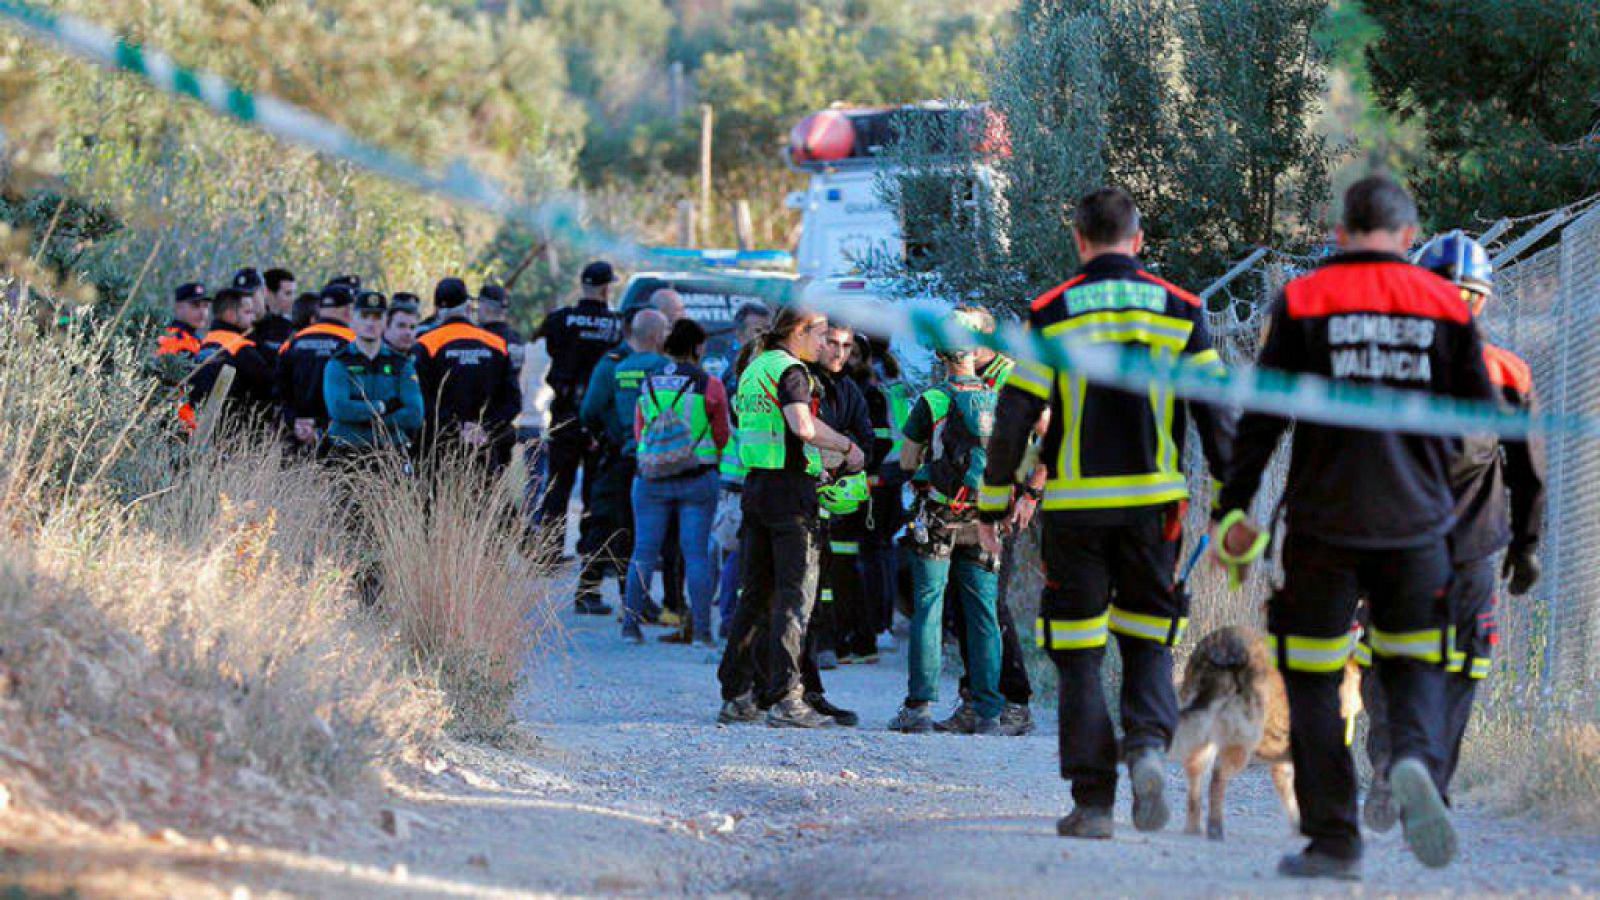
[690,501]
[767,641]
[978,586]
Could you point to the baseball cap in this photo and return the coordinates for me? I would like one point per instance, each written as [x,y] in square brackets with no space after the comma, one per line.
[248,280]
[190,292]
[371,301]
[336,295]
[450,293]
[599,272]
[495,294]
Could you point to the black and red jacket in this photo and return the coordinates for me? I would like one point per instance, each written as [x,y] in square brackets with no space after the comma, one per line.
[1488,467]
[301,360]
[466,376]
[1375,319]
[251,392]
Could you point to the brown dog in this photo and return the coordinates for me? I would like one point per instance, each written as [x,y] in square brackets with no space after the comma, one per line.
[1234,706]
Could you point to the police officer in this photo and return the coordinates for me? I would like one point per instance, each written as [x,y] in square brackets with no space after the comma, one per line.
[274,326]
[1499,502]
[1112,508]
[248,282]
[782,443]
[493,315]
[301,360]
[1366,512]
[371,390]
[606,533]
[575,337]
[250,396]
[468,387]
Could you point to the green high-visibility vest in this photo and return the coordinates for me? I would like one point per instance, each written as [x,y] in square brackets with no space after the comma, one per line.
[683,388]
[763,431]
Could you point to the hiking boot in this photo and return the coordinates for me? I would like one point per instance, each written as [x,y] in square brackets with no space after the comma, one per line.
[827,660]
[1016,720]
[1379,811]
[843,716]
[651,614]
[1424,818]
[912,720]
[1148,772]
[631,633]
[1087,822]
[795,713]
[1310,863]
[591,605]
[666,618]
[962,721]
[739,710]
[988,726]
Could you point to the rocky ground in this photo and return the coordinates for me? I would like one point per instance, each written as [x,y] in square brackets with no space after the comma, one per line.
[625,785]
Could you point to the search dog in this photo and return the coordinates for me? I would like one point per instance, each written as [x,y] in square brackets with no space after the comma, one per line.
[1234,707]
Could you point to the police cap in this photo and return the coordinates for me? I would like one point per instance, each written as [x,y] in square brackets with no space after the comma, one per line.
[598,273]
[371,301]
[336,295]
[248,280]
[190,292]
[450,293]
[353,282]
[494,293]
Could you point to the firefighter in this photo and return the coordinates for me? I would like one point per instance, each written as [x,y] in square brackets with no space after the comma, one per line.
[370,389]
[274,326]
[250,396]
[301,360]
[576,337]
[1112,508]
[468,388]
[1366,512]
[1499,504]
[782,442]
[952,422]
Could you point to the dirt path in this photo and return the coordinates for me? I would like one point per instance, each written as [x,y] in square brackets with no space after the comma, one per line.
[632,789]
[629,788]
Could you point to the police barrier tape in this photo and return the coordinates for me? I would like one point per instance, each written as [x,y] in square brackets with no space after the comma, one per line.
[1262,390]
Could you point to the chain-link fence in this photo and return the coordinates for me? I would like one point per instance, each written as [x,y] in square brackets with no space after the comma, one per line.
[1546,310]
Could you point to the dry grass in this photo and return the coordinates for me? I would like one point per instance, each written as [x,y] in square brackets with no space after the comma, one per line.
[180,630]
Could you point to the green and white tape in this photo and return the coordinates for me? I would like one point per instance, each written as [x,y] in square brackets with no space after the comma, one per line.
[1264,390]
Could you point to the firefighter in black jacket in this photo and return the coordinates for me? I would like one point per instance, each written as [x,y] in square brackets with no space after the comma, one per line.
[468,388]
[1366,512]
[1112,508]
[301,360]
[1488,472]
[250,396]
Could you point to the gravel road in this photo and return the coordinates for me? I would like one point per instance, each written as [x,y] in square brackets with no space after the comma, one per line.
[631,788]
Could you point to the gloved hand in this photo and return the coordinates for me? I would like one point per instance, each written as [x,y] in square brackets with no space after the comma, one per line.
[1522,569]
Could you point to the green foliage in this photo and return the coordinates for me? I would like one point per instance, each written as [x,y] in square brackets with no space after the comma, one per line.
[1202,111]
[1506,94]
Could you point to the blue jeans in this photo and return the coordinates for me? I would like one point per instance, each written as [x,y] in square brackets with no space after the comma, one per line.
[690,500]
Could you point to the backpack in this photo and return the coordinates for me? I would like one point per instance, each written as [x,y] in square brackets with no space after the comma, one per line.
[961,453]
[667,443]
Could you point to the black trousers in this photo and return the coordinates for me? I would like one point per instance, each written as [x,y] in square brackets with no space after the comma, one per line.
[605,533]
[767,642]
[1085,567]
[849,614]
[1015,685]
[567,449]
[880,566]
[1310,621]
[1473,601]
